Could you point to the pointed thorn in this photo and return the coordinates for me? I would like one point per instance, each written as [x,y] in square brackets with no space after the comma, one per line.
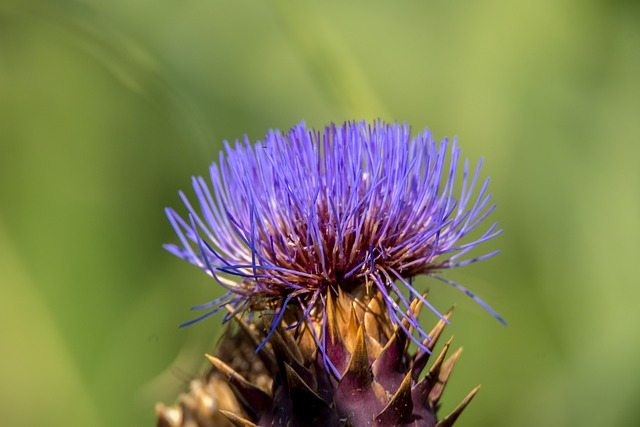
[453,416]
[359,368]
[400,408]
[422,357]
[335,348]
[417,305]
[388,366]
[414,311]
[236,420]
[332,322]
[298,385]
[376,325]
[300,370]
[443,377]
[357,397]
[352,330]
[437,330]
[435,368]
[425,386]
[308,407]
[254,398]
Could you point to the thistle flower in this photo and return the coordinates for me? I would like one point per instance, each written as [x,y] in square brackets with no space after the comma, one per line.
[322,233]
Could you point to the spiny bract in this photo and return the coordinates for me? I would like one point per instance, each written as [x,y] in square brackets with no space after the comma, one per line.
[286,384]
[316,237]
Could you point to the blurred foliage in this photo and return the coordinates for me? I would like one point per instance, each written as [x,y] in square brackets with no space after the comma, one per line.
[107,108]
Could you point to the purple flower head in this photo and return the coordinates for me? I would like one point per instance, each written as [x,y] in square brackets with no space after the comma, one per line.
[296,216]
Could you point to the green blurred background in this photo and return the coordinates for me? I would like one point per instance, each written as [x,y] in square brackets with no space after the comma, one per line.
[108,108]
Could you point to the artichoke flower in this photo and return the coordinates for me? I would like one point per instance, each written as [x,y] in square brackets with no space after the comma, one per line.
[315,238]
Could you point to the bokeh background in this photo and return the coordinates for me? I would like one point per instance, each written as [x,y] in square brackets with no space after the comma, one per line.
[108,108]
